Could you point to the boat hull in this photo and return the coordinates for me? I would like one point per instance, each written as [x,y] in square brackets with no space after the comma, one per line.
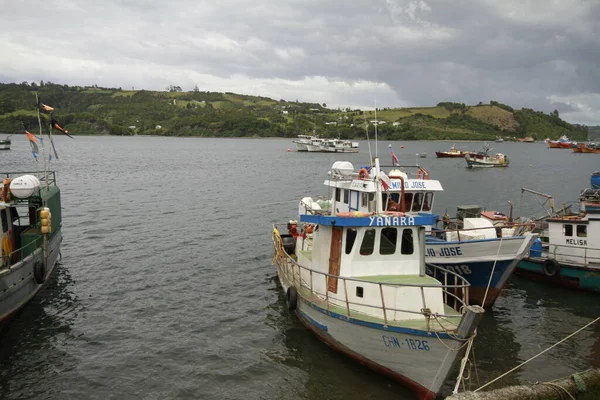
[415,358]
[18,281]
[477,260]
[481,163]
[568,275]
[442,154]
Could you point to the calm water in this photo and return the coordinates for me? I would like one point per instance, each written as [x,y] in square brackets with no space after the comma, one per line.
[166,289]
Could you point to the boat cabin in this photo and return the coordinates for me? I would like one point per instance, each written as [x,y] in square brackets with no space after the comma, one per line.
[576,238]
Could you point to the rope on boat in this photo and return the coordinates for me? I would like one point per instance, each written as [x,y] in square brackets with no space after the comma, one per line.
[493,269]
[537,355]
[463,364]
[555,385]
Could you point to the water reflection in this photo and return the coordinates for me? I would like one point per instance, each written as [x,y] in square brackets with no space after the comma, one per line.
[318,372]
[32,341]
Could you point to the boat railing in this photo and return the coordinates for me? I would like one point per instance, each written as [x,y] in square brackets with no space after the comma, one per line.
[504,230]
[15,256]
[41,175]
[565,252]
[453,286]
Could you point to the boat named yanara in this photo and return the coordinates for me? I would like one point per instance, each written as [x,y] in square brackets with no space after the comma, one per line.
[357,280]
[31,236]
[568,253]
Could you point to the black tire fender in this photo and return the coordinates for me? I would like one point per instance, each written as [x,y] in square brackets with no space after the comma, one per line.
[291,298]
[39,272]
[551,268]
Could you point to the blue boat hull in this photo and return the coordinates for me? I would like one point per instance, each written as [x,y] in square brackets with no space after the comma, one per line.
[478,275]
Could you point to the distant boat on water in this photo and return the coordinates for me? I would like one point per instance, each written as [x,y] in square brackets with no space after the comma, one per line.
[5,143]
[499,139]
[527,139]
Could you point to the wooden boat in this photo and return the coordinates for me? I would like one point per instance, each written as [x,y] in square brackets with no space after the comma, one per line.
[355,276]
[577,148]
[527,139]
[484,160]
[31,236]
[568,253]
[591,148]
[452,153]
[5,143]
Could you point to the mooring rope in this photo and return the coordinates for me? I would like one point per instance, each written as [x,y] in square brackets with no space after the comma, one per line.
[555,385]
[493,269]
[537,355]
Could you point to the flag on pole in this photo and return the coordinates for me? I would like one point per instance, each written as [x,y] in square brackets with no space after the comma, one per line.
[33,140]
[394,158]
[386,182]
[56,125]
[46,108]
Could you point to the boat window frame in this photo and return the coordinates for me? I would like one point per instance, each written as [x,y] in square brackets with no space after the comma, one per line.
[351,234]
[427,199]
[584,230]
[338,194]
[407,242]
[568,230]
[370,234]
[386,247]
[346,196]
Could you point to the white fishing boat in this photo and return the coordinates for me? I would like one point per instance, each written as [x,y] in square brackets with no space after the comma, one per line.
[339,146]
[315,145]
[354,274]
[484,160]
[303,141]
[5,143]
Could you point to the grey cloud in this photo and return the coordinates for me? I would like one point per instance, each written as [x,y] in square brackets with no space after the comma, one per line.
[412,52]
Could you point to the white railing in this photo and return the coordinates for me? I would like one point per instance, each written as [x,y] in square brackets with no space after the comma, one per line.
[454,288]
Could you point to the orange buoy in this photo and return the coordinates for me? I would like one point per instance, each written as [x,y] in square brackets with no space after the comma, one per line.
[401,147]
[289,150]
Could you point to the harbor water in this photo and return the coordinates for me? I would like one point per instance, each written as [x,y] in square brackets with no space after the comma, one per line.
[166,289]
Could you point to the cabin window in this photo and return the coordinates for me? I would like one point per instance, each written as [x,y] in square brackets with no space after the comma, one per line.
[568,230]
[408,247]
[428,203]
[388,240]
[581,230]
[408,197]
[417,201]
[368,243]
[346,196]
[364,199]
[4,221]
[338,195]
[350,239]
[359,291]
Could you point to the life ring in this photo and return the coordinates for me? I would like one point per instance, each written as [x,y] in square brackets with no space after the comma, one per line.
[291,298]
[39,272]
[551,268]
[363,174]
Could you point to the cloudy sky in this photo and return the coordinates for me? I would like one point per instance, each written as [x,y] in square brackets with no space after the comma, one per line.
[541,54]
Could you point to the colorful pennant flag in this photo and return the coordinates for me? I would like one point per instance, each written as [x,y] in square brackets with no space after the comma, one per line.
[394,158]
[33,140]
[386,182]
[56,125]
[46,108]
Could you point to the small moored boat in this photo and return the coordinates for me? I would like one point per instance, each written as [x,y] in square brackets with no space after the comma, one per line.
[452,153]
[484,160]
[5,143]
[568,253]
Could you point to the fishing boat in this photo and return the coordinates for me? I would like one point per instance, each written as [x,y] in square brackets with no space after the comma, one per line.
[591,148]
[303,141]
[339,146]
[499,140]
[526,139]
[355,275]
[562,143]
[5,143]
[483,159]
[452,153]
[568,253]
[31,236]
[315,145]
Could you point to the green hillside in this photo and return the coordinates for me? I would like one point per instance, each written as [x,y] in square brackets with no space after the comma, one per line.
[112,111]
